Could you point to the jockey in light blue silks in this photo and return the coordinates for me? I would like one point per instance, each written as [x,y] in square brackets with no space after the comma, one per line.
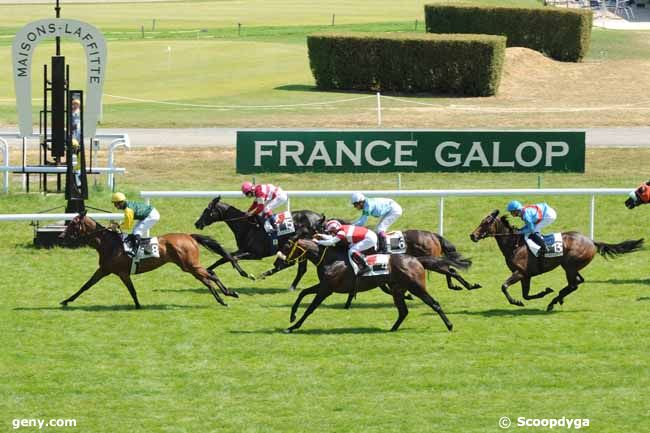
[385,209]
[535,218]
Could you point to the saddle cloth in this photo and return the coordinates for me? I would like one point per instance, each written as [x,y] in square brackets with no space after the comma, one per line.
[378,265]
[284,223]
[395,243]
[554,245]
[148,249]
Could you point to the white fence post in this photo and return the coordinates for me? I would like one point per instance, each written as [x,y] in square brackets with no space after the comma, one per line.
[378,109]
[5,175]
[592,214]
[441,216]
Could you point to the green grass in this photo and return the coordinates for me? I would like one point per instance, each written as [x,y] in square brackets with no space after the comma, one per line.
[184,363]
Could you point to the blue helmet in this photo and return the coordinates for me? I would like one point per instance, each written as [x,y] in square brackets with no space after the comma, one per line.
[514,205]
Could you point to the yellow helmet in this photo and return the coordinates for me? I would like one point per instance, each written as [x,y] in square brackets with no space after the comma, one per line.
[118,197]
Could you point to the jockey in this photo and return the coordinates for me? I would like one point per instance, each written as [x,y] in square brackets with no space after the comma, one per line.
[535,218]
[385,209]
[143,215]
[358,238]
[267,198]
[639,196]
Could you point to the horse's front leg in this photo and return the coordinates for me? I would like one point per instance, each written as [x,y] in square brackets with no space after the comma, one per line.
[301,295]
[98,275]
[525,289]
[126,279]
[237,255]
[302,269]
[320,297]
[512,279]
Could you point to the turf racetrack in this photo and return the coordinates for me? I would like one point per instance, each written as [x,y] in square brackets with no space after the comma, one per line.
[184,363]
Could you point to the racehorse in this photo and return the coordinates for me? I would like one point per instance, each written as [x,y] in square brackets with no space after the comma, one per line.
[578,249]
[639,196]
[336,275]
[179,248]
[253,242]
[419,243]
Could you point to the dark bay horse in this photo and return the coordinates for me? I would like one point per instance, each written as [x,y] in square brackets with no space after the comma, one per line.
[579,251]
[178,248]
[422,243]
[336,276]
[252,240]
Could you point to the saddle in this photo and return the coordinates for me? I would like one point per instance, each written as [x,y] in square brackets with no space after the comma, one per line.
[378,266]
[148,249]
[284,224]
[554,245]
[395,243]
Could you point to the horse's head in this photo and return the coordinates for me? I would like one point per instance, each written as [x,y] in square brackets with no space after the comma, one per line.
[486,228]
[78,229]
[214,212]
[296,250]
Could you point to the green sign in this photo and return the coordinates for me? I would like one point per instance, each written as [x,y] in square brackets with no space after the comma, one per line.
[409,151]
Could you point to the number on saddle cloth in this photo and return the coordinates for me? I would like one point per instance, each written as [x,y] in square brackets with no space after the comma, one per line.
[395,243]
[554,245]
[378,265]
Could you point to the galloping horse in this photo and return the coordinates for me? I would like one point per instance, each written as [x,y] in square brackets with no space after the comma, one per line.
[335,275]
[579,250]
[420,243]
[252,240]
[179,248]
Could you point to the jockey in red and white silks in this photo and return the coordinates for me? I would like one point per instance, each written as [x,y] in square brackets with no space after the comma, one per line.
[358,238]
[267,198]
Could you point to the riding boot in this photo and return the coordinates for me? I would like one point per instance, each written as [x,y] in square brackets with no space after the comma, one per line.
[135,245]
[360,260]
[260,220]
[537,238]
[381,243]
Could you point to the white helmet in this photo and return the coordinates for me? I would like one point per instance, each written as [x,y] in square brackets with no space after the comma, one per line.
[332,226]
[357,197]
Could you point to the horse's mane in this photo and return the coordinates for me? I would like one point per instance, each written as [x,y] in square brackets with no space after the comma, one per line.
[506,223]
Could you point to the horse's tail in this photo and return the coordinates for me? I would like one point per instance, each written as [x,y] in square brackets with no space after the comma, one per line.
[449,250]
[212,245]
[612,250]
[435,263]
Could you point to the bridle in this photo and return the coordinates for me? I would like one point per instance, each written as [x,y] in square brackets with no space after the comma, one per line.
[488,223]
[82,238]
[217,213]
[302,257]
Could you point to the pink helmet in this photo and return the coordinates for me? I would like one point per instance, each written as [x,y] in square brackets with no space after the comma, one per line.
[246,187]
[332,226]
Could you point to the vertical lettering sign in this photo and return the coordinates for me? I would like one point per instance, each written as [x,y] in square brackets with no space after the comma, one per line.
[24,45]
[404,151]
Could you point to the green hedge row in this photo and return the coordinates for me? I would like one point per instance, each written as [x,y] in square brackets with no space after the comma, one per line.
[410,63]
[563,34]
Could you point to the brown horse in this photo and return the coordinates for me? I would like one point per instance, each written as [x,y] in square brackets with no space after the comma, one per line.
[179,248]
[579,250]
[336,276]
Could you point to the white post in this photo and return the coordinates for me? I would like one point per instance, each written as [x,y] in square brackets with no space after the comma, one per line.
[288,204]
[378,109]
[24,163]
[124,141]
[592,213]
[441,216]
[5,155]
[399,180]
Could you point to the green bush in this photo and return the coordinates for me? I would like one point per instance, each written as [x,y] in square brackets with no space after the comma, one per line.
[409,63]
[563,34]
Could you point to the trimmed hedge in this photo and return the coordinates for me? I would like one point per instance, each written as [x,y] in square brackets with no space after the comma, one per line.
[409,63]
[563,34]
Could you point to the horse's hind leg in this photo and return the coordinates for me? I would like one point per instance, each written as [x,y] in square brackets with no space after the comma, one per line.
[402,309]
[225,290]
[204,276]
[525,289]
[454,273]
[422,293]
[126,279]
[574,279]
[98,275]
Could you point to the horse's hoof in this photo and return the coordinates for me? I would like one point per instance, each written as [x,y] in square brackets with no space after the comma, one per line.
[251,277]
[64,303]
[550,307]
[287,331]
[138,307]
[450,327]
[457,288]
[261,276]
[518,303]
[475,286]
[292,288]
[292,319]
[549,290]
[234,294]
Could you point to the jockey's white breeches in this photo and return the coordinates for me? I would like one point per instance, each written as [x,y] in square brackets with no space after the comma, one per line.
[142,227]
[387,220]
[280,199]
[370,241]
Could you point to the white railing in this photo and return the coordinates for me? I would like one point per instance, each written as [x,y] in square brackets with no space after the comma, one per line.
[440,193]
[57,216]
[117,140]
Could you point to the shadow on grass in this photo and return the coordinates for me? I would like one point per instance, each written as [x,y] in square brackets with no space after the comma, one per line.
[643,298]
[339,306]
[501,312]
[622,281]
[297,88]
[335,331]
[153,307]
[240,290]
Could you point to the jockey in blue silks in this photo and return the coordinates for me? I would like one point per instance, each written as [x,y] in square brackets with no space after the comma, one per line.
[385,209]
[535,218]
